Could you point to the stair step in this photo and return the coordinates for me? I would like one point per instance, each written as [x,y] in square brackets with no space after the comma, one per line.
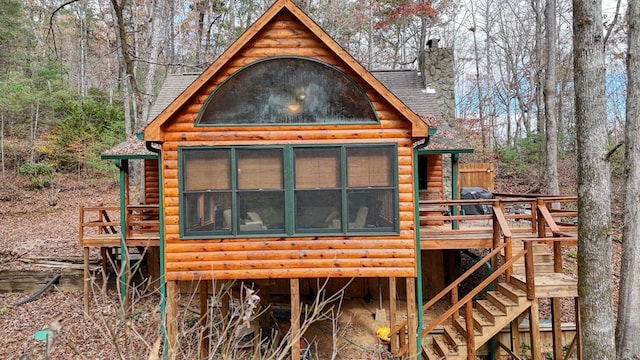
[490,311]
[500,301]
[480,321]
[462,328]
[431,354]
[454,337]
[514,293]
[546,267]
[442,347]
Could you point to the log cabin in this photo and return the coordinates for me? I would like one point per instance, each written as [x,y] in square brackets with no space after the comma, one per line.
[287,160]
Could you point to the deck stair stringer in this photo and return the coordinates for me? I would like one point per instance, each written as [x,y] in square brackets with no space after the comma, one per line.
[490,316]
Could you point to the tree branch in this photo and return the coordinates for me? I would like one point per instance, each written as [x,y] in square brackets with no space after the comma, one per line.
[612,25]
[50,31]
[613,151]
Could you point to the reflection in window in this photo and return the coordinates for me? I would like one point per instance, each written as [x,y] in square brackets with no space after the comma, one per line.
[207,190]
[287,91]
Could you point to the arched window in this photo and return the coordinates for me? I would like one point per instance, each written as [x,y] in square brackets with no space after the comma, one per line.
[287,91]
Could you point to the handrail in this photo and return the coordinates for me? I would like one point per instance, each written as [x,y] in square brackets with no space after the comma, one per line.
[399,329]
[472,293]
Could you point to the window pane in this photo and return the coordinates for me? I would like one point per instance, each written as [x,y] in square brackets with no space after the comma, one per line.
[288,91]
[207,170]
[371,208]
[318,209]
[369,166]
[261,210]
[260,169]
[205,211]
[317,168]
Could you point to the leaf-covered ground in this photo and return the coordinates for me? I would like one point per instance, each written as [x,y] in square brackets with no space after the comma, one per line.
[41,224]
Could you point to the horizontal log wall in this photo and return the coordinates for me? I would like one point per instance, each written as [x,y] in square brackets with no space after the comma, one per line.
[151,182]
[283,257]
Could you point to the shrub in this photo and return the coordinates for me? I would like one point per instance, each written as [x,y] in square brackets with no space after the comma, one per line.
[40,174]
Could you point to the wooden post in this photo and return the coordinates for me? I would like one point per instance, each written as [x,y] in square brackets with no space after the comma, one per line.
[295,319]
[471,337]
[87,279]
[393,307]
[171,320]
[496,240]
[516,346]
[542,229]
[529,270]
[204,318]
[534,331]
[412,319]
[508,253]
[557,256]
[556,329]
[454,300]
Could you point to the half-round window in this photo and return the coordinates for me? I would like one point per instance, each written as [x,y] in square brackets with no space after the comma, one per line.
[287,91]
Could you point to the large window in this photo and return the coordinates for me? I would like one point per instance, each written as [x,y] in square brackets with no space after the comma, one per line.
[287,91]
[288,190]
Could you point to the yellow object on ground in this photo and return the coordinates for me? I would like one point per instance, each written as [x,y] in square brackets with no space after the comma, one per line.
[383,333]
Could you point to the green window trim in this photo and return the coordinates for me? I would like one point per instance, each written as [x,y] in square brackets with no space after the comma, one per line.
[290,190]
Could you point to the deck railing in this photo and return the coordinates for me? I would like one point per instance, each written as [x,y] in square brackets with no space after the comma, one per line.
[100,225]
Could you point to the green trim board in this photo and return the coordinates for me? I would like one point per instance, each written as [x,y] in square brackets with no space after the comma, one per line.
[445,151]
[128,157]
[333,189]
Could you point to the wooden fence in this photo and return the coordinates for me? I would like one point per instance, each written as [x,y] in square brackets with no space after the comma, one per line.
[476,175]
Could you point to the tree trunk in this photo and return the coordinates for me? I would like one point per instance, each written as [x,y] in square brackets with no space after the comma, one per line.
[628,327]
[551,124]
[2,142]
[156,44]
[594,184]
[539,103]
[132,95]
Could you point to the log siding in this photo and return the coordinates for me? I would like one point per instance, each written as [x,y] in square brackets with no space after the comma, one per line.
[287,257]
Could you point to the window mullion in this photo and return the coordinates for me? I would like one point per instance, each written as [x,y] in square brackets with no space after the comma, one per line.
[289,185]
[234,192]
[343,188]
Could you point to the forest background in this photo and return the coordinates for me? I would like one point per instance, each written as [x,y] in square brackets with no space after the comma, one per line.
[79,76]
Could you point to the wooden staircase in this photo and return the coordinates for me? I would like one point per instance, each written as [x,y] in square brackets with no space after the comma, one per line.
[489,317]
[526,265]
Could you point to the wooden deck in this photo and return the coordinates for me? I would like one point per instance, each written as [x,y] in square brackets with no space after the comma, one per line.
[549,285]
[100,227]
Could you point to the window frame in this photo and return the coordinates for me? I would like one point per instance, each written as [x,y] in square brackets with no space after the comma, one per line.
[339,73]
[290,228]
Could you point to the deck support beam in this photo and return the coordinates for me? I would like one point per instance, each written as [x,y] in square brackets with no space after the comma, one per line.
[393,308]
[412,320]
[556,329]
[295,319]
[171,321]
[86,285]
[204,318]
[534,330]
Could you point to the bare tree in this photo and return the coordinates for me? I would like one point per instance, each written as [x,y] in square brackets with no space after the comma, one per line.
[594,184]
[628,326]
[550,114]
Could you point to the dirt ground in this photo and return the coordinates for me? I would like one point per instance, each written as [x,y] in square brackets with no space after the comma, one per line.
[44,225]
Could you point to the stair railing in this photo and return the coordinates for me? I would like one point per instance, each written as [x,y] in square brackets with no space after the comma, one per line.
[467,300]
[399,347]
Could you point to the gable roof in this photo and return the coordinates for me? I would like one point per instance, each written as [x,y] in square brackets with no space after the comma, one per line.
[153,130]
